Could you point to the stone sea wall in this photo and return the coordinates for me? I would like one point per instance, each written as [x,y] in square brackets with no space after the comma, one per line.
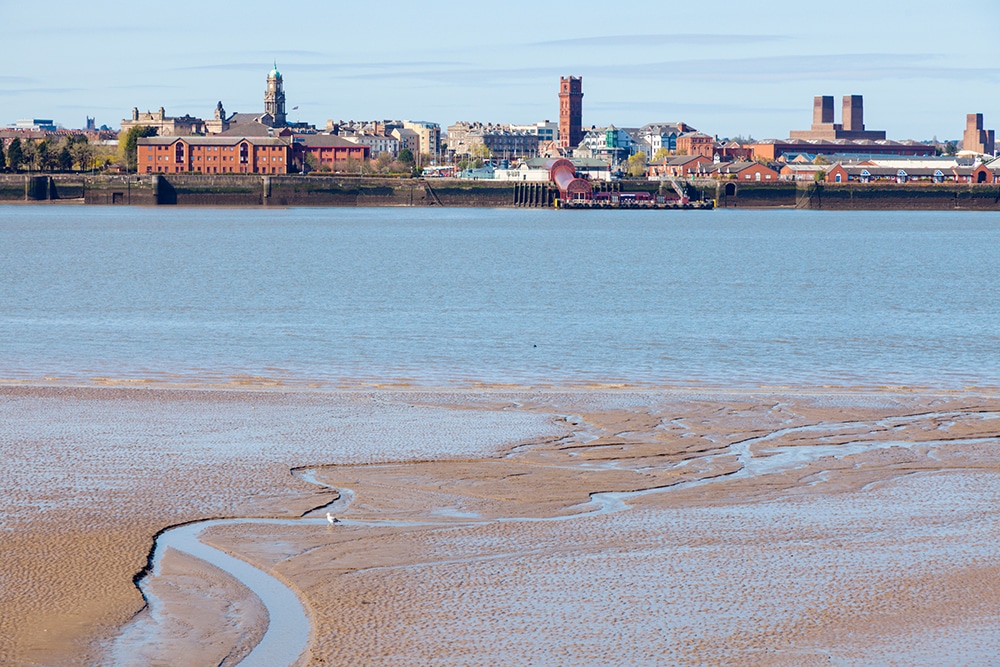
[297,190]
[256,190]
[859,196]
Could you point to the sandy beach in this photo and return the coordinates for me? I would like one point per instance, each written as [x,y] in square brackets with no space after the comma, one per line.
[595,526]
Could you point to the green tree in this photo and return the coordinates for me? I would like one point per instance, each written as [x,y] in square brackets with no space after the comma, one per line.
[30,151]
[820,159]
[82,151]
[3,160]
[481,151]
[45,155]
[128,148]
[65,159]
[636,165]
[406,156]
[15,154]
[661,154]
[312,162]
[103,156]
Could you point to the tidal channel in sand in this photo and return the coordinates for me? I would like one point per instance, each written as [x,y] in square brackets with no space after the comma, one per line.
[793,459]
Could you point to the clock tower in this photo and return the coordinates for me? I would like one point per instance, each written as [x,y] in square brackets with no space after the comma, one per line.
[274,97]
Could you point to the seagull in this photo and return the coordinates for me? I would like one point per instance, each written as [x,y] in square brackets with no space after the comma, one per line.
[331,519]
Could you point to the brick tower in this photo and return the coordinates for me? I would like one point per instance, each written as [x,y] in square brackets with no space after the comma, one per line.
[976,139]
[570,111]
[853,118]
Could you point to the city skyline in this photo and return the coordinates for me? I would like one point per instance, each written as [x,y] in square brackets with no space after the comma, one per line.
[735,70]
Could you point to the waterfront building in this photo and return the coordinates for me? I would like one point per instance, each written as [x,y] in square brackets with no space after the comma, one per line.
[522,173]
[803,171]
[329,151]
[345,128]
[503,141]
[592,169]
[506,143]
[739,171]
[610,143]
[695,143]
[864,173]
[946,170]
[662,135]
[570,111]
[429,136]
[927,162]
[851,167]
[679,166]
[545,130]
[377,143]
[458,137]
[730,150]
[977,140]
[213,155]
[853,125]
[408,139]
[772,149]
[165,126]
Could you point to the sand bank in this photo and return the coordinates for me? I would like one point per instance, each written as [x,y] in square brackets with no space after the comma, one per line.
[774,528]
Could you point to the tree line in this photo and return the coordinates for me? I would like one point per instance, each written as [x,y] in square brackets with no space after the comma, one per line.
[69,153]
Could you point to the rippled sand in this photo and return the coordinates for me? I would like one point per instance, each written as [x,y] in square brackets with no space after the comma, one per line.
[798,529]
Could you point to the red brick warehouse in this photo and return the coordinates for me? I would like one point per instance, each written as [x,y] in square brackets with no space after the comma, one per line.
[212,155]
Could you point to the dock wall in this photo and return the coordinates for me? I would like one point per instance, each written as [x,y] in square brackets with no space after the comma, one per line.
[297,190]
[860,196]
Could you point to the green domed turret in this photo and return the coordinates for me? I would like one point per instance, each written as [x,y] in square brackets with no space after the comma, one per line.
[275,74]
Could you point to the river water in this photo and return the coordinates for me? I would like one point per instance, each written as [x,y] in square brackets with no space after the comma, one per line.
[457,296]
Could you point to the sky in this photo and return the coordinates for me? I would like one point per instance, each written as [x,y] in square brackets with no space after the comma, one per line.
[724,67]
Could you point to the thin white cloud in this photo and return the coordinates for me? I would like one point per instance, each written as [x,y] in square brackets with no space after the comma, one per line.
[767,69]
[399,68]
[633,41]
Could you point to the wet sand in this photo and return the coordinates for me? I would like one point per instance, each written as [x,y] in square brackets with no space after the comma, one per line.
[772,528]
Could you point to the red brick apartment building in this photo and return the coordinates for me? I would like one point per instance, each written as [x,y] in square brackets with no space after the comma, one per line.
[213,155]
[331,151]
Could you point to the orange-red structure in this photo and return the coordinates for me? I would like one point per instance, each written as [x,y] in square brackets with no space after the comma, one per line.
[212,155]
[562,172]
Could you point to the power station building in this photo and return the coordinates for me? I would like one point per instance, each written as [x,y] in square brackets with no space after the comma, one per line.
[851,127]
[977,139]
